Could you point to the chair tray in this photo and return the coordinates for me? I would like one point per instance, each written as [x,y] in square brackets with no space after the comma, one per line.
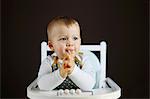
[111,91]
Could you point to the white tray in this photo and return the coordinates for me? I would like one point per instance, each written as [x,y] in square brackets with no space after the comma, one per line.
[111,91]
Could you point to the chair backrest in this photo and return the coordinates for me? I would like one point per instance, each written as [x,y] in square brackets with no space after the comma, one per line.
[101,47]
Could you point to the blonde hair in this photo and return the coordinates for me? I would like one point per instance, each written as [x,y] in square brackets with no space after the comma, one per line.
[67,21]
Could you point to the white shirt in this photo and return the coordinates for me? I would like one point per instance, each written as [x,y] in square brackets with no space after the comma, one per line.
[84,78]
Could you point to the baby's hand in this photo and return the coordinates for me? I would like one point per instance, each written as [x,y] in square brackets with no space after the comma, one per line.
[63,72]
[68,65]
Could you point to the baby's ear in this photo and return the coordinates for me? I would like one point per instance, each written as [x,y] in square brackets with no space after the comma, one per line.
[50,45]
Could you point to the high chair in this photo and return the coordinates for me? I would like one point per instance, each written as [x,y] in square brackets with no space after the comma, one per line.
[105,88]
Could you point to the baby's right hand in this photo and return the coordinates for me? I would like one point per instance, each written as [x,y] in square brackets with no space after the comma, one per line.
[63,71]
[67,66]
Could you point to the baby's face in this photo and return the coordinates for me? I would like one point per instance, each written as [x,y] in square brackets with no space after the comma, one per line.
[65,40]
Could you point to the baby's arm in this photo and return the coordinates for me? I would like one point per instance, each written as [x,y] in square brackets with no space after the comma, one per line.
[48,80]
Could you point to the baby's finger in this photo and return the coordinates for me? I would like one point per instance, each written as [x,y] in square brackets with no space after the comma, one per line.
[66,57]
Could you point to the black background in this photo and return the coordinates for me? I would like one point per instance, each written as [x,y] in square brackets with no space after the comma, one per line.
[122,23]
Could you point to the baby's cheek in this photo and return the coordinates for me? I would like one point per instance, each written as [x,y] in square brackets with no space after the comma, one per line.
[60,50]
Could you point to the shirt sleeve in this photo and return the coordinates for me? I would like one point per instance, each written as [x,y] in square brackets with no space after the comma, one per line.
[48,80]
[85,78]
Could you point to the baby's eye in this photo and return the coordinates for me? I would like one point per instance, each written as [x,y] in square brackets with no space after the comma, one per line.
[75,38]
[63,39]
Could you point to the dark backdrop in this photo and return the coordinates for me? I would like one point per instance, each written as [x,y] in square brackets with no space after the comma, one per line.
[122,23]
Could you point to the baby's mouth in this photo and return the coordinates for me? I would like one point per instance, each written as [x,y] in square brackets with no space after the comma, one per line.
[69,50]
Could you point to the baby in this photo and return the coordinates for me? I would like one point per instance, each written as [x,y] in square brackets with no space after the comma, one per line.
[67,67]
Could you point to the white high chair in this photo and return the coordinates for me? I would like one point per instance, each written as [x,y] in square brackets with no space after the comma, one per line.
[105,88]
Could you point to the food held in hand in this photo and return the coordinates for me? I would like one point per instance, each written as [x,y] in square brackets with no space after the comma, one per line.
[66,66]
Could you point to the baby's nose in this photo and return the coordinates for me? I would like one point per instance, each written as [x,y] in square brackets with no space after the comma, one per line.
[69,43]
